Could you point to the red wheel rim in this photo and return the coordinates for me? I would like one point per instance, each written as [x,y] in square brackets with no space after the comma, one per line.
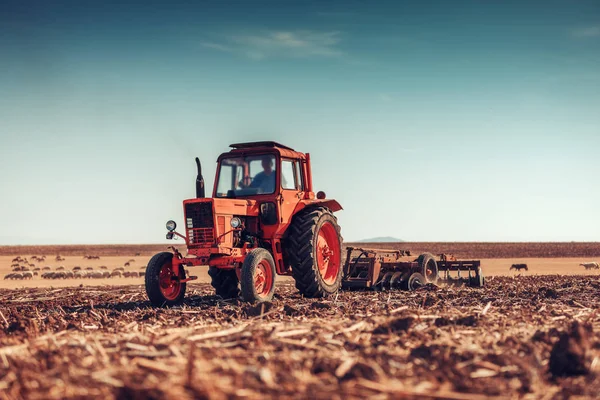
[263,279]
[328,255]
[169,284]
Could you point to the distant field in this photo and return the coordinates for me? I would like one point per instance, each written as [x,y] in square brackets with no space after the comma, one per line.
[459,249]
[496,259]
[467,250]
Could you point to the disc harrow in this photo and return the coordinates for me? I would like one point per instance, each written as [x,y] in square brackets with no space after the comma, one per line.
[383,269]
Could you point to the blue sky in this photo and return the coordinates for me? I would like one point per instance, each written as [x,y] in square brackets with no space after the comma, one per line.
[435,120]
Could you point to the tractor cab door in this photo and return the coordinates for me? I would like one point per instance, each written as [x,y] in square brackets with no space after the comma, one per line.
[292,188]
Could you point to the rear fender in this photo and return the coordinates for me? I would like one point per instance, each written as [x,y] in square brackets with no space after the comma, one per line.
[331,204]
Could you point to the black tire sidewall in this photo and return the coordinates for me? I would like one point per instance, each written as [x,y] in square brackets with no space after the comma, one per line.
[219,278]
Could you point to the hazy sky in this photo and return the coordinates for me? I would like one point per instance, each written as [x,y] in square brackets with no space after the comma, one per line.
[427,120]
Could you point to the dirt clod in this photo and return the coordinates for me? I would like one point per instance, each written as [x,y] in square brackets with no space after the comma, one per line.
[569,355]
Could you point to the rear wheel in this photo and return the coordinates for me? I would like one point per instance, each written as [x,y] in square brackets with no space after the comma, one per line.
[258,276]
[225,282]
[478,280]
[414,281]
[163,287]
[428,267]
[315,248]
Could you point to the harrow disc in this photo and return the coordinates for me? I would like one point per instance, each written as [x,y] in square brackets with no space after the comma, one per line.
[384,283]
[396,280]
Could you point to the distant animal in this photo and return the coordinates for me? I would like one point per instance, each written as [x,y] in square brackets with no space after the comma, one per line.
[519,267]
[69,274]
[27,275]
[103,267]
[36,269]
[127,264]
[115,274]
[590,265]
[138,254]
[14,265]
[59,258]
[61,268]
[89,268]
[119,269]
[131,261]
[46,268]
[106,274]
[77,268]
[447,257]
[92,257]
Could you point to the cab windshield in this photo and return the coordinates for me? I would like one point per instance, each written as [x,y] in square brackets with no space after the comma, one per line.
[247,176]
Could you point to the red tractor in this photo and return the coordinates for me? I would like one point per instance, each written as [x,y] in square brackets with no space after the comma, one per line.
[263,219]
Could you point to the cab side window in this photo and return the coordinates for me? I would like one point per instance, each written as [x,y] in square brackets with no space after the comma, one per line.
[288,175]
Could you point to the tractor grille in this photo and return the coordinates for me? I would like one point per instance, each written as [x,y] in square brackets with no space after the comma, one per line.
[199,223]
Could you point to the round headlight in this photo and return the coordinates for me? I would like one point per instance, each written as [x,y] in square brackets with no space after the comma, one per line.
[236,222]
[171,225]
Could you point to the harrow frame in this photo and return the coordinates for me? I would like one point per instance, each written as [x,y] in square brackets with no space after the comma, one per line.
[368,268]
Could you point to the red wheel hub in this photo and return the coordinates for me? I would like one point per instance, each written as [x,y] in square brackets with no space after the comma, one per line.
[263,279]
[328,256]
[170,284]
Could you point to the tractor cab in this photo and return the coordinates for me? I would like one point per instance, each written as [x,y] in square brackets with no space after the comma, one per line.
[259,169]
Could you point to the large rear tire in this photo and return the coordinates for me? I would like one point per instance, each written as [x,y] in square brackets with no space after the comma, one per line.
[428,267]
[163,287]
[315,252]
[225,282]
[258,276]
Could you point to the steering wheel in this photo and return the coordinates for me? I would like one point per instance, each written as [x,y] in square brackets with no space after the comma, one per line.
[246,181]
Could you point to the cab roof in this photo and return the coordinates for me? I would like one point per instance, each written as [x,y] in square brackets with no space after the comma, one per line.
[265,146]
[250,145]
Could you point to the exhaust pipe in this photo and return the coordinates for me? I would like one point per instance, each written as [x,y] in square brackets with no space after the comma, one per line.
[199,181]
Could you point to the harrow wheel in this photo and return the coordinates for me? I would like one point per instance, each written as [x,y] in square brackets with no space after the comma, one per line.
[225,282]
[314,248]
[478,280]
[258,276]
[163,287]
[428,267]
[415,281]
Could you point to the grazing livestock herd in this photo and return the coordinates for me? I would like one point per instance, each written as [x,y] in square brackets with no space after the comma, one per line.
[23,268]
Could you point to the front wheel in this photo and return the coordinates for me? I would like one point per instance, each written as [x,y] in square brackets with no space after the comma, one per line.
[258,276]
[163,287]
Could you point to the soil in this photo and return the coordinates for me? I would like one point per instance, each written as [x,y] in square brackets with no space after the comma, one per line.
[520,336]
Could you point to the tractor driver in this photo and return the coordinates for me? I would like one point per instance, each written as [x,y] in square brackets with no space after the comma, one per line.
[265,180]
